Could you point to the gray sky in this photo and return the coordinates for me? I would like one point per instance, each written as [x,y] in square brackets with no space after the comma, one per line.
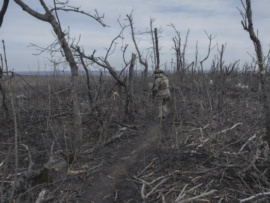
[219,18]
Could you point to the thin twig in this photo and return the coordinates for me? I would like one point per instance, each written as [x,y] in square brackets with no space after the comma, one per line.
[197,197]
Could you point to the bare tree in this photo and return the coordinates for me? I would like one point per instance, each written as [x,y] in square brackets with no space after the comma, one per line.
[3,11]
[143,62]
[157,49]
[120,81]
[130,91]
[4,107]
[103,61]
[87,79]
[210,37]
[51,16]
[152,20]
[104,64]
[177,49]
[180,54]
[221,53]
[247,24]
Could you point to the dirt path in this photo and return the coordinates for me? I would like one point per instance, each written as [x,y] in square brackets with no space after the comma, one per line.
[111,184]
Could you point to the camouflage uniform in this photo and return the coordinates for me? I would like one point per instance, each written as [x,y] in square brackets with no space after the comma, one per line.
[161,90]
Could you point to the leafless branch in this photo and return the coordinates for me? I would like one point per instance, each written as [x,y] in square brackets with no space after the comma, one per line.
[197,197]
[209,49]
[3,11]
[96,16]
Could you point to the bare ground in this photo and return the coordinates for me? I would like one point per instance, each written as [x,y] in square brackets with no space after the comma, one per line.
[113,183]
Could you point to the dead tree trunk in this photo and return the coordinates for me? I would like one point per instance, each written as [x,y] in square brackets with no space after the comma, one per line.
[247,24]
[180,55]
[153,41]
[87,80]
[223,80]
[3,107]
[183,56]
[3,11]
[177,46]
[143,62]
[49,17]
[130,91]
[209,50]
[177,49]
[157,50]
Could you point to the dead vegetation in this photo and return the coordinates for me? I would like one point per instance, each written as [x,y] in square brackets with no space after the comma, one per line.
[94,138]
[204,151]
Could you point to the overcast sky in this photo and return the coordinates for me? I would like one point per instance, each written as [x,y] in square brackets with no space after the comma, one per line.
[219,18]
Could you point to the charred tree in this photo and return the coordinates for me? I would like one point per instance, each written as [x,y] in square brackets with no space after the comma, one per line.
[87,80]
[3,107]
[157,50]
[153,41]
[130,91]
[247,24]
[177,48]
[3,11]
[142,62]
[209,50]
[50,18]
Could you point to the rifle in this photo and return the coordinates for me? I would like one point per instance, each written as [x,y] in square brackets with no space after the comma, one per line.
[153,92]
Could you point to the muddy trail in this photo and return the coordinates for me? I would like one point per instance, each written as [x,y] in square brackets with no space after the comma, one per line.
[113,182]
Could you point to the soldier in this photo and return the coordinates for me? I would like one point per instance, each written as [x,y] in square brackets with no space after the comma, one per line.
[161,90]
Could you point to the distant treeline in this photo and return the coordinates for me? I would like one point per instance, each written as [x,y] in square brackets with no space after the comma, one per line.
[96,72]
[105,72]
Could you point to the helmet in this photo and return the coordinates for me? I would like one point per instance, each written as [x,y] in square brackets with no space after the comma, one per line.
[158,71]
